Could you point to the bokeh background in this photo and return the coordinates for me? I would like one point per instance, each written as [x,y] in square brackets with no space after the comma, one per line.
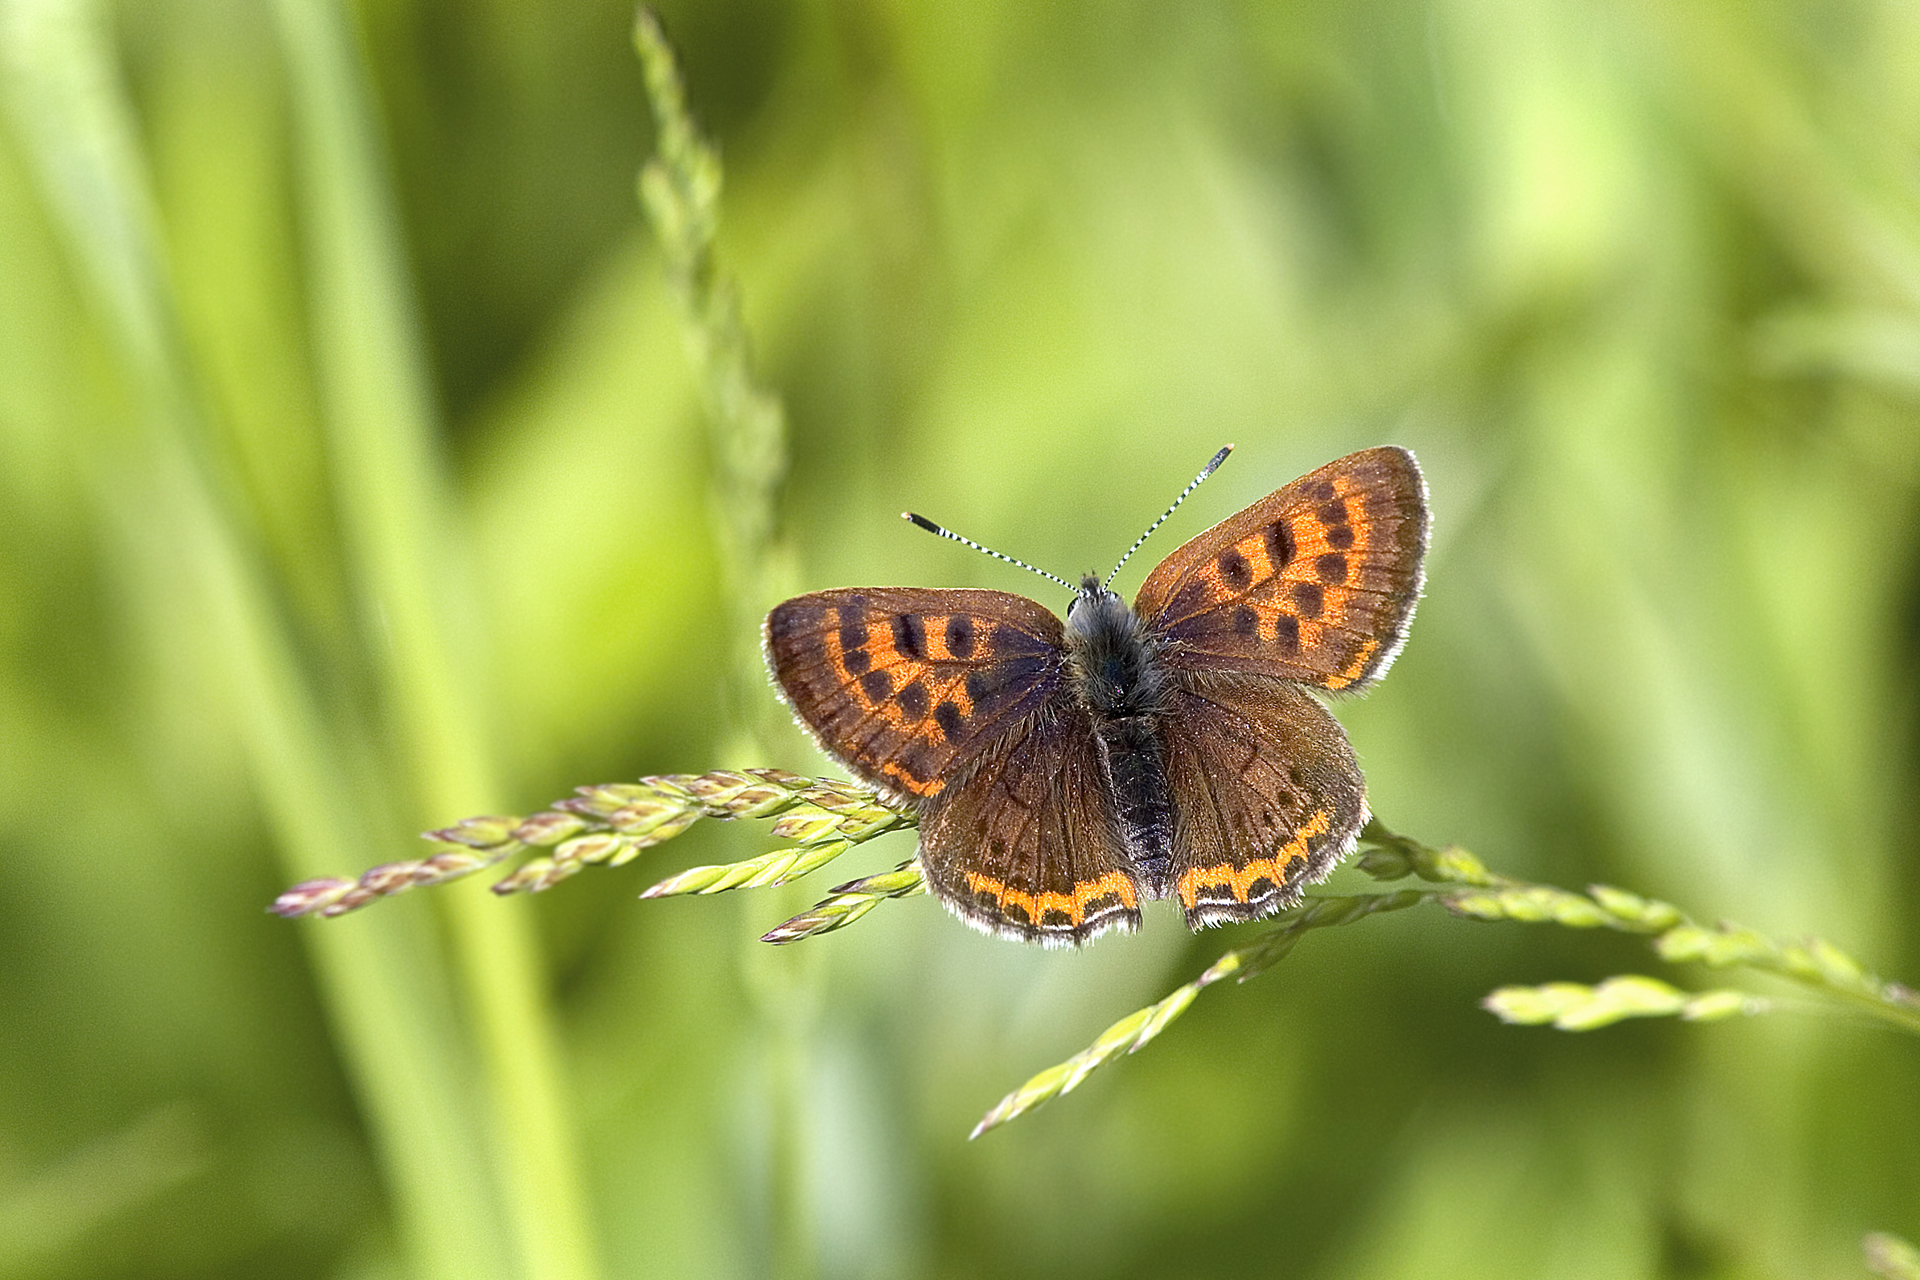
[354,478]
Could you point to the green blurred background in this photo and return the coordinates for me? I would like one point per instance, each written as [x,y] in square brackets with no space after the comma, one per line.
[355,479]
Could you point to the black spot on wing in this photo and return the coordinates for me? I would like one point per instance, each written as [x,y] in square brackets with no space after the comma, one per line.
[910,636]
[853,626]
[1286,633]
[960,636]
[1309,598]
[912,700]
[1279,542]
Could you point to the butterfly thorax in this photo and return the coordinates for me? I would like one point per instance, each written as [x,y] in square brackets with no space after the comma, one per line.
[1119,678]
[1115,664]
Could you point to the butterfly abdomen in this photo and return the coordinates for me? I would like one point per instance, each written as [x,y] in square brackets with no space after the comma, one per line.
[1133,752]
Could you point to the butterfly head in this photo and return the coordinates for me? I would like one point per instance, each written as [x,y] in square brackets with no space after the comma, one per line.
[1094,608]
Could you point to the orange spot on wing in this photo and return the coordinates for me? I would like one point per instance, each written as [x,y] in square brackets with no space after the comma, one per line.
[1352,671]
[1215,590]
[1239,879]
[936,630]
[1114,884]
[923,788]
[1253,549]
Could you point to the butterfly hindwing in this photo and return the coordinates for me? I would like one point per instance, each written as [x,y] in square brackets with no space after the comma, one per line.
[1025,845]
[904,686]
[1271,797]
[1314,583]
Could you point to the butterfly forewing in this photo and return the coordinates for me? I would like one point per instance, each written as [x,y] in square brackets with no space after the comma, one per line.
[1024,846]
[1271,797]
[905,686]
[1314,583]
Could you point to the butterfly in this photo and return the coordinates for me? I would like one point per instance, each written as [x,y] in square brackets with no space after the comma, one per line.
[1062,773]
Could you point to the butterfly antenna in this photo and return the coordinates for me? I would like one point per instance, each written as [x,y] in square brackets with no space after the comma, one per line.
[931,527]
[1205,471]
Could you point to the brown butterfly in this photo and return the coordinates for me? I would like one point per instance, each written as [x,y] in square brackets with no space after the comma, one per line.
[1061,774]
